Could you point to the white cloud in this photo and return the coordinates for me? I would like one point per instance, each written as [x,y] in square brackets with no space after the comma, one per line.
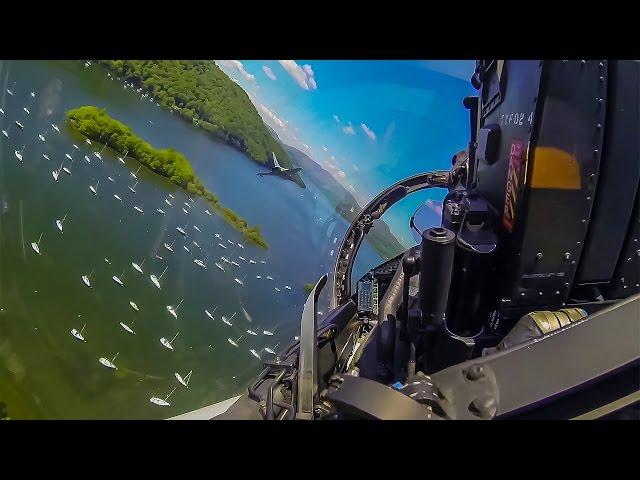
[336,118]
[368,131]
[334,169]
[435,206]
[239,67]
[307,147]
[268,72]
[325,148]
[330,164]
[349,130]
[272,116]
[304,76]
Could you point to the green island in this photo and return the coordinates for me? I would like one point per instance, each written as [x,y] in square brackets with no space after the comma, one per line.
[96,124]
[308,287]
[202,94]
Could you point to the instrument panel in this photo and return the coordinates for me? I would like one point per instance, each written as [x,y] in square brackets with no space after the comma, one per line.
[373,285]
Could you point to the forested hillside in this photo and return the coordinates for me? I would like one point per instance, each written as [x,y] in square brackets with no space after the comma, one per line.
[203,94]
[96,124]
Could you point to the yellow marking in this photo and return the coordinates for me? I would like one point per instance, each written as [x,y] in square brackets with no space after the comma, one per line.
[555,168]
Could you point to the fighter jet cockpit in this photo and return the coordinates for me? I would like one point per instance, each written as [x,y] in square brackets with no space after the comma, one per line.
[497,310]
[319,239]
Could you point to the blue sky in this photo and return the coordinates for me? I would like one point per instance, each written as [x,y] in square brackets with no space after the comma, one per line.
[369,123]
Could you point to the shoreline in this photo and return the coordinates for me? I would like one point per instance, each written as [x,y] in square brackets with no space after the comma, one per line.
[93,123]
[220,133]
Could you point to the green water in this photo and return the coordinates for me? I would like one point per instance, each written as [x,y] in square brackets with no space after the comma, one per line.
[47,373]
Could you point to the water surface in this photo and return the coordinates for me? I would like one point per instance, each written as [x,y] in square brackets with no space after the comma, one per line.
[44,371]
